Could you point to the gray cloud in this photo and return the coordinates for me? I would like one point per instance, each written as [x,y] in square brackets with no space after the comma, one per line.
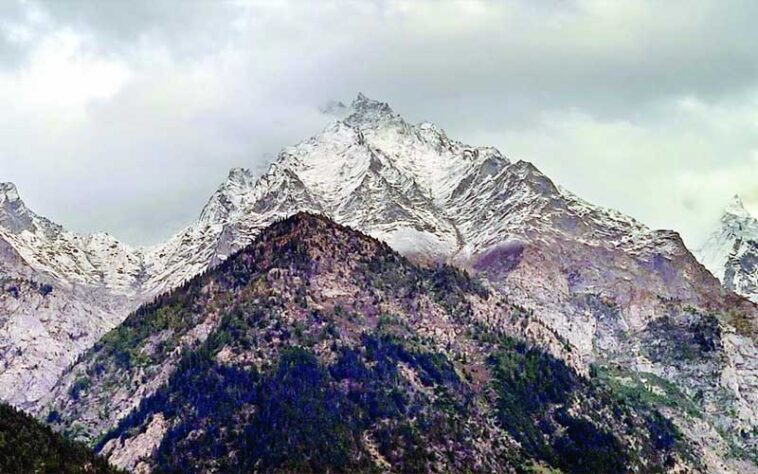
[125,117]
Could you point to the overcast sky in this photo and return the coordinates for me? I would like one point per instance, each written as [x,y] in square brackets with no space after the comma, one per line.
[125,116]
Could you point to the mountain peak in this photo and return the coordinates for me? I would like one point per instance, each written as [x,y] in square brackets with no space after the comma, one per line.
[730,251]
[8,192]
[229,197]
[367,112]
[306,225]
[736,208]
[14,215]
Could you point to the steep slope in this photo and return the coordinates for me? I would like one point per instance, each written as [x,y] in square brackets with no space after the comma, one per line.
[731,251]
[318,348]
[28,446]
[59,292]
[42,329]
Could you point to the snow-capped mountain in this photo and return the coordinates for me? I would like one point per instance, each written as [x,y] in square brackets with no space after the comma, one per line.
[611,288]
[409,184]
[70,259]
[427,195]
[731,251]
[435,198]
[371,170]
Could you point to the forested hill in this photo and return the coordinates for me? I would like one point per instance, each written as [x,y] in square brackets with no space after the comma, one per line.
[319,349]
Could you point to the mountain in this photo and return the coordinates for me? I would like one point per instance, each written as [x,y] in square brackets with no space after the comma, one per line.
[59,292]
[370,170]
[319,349]
[51,252]
[27,445]
[436,199]
[616,290]
[630,301]
[731,251]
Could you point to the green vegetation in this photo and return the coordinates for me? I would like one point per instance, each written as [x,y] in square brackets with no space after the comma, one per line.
[645,389]
[583,425]
[535,393]
[81,384]
[303,416]
[27,446]
[123,343]
[684,337]
[743,324]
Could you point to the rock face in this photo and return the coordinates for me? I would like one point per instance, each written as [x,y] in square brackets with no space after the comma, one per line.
[334,353]
[42,330]
[731,251]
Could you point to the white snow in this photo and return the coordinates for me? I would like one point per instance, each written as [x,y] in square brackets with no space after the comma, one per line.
[733,241]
